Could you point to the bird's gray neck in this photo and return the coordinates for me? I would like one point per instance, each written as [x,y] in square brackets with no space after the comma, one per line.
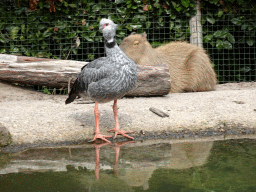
[111,48]
[110,44]
[114,52]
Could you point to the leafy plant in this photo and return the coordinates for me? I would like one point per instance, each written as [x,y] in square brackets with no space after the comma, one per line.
[48,28]
[228,31]
[45,90]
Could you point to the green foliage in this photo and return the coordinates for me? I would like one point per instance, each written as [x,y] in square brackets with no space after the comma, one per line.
[45,90]
[227,24]
[42,33]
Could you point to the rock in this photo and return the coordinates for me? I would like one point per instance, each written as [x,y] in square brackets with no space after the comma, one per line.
[5,136]
[158,112]
[239,102]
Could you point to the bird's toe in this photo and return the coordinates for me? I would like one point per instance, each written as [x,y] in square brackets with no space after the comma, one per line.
[123,133]
[100,136]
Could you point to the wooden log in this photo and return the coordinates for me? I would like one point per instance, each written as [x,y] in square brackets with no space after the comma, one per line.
[50,73]
[152,80]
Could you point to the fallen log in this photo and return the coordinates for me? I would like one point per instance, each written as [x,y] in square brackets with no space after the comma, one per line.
[152,80]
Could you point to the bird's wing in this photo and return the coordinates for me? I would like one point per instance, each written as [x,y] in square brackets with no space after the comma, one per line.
[94,71]
[97,63]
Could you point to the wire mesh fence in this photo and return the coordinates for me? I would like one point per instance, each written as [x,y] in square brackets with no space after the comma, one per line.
[234,57]
[232,51]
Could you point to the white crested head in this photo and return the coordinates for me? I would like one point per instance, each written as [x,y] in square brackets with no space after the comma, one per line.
[108,28]
[105,21]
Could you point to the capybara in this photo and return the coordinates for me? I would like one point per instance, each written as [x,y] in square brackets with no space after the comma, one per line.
[189,65]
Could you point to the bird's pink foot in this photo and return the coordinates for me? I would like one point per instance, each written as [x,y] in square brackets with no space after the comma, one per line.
[100,136]
[121,132]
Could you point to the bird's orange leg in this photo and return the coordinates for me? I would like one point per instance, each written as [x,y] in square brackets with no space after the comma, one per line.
[117,129]
[117,150]
[97,128]
[97,160]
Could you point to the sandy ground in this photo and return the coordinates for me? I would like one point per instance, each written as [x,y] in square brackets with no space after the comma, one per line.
[34,117]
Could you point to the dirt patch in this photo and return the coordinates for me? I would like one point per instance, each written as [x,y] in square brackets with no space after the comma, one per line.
[237,86]
[35,118]
[12,92]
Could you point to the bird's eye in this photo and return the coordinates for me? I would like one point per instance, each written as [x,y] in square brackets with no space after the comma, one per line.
[106,24]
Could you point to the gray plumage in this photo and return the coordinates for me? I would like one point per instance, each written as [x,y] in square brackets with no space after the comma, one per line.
[107,78]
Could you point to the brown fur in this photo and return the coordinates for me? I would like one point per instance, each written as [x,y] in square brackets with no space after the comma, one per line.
[190,67]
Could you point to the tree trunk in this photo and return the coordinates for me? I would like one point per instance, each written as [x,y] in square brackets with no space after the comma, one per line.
[152,80]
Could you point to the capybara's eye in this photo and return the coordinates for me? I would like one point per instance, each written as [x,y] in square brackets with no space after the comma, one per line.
[136,43]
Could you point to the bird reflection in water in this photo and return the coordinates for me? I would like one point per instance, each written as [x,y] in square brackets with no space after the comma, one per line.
[137,171]
[116,146]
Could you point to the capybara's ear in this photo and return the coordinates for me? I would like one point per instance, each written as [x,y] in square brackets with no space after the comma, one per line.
[133,33]
[144,35]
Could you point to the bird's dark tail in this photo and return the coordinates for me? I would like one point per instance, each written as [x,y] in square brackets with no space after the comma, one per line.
[73,93]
